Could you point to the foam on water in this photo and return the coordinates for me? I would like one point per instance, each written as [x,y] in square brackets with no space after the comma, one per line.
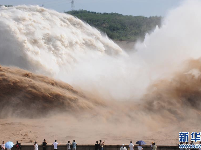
[33,38]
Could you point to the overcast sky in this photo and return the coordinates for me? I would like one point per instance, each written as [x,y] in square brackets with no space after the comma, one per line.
[126,7]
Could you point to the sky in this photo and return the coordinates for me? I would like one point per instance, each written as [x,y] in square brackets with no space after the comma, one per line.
[125,7]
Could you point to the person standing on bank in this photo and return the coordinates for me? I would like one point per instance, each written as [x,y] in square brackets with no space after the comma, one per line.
[140,147]
[3,146]
[44,144]
[154,147]
[18,146]
[123,147]
[68,145]
[74,145]
[97,146]
[55,145]
[131,146]
[35,146]
[101,145]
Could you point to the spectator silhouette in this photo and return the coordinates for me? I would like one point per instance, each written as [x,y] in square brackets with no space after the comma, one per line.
[97,146]
[18,146]
[44,144]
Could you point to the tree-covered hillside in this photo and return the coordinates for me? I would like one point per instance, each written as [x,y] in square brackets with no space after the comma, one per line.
[117,26]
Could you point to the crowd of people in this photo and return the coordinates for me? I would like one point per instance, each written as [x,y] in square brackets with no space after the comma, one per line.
[100,145]
[17,145]
[131,146]
[72,146]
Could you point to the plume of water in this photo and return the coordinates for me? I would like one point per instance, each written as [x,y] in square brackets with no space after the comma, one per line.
[66,48]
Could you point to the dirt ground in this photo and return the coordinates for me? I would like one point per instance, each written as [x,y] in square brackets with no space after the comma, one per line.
[84,131]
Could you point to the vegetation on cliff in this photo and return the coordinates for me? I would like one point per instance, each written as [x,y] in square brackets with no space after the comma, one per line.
[117,26]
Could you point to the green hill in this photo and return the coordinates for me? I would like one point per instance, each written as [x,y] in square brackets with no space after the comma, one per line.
[117,26]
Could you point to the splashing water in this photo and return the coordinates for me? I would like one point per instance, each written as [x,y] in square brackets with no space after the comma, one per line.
[59,45]
[48,39]
[62,46]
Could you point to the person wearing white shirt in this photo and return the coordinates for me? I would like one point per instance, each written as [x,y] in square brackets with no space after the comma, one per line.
[55,145]
[123,147]
[140,147]
[154,147]
[3,146]
[68,145]
[35,146]
[131,146]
